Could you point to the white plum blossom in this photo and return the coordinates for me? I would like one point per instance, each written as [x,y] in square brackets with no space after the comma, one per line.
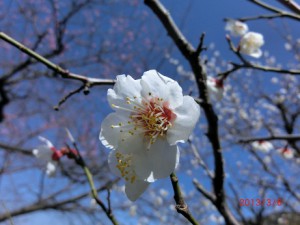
[262,145]
[236,28]
[215,87]
[132,210]
[49,154]
[286,152]
[151,116]
[250,44]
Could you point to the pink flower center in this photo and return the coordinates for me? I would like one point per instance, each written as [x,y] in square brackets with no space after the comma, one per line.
[155,117]
[152,117]
[56,155]
[219,83]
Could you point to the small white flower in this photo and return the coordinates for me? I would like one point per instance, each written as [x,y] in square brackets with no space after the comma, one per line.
[264,146]
[93,203]
[163,192]
[132,210]
[158,201]
[236,28]
[151,117]
[215,87]
[250,44]
[286,152]
[49,154]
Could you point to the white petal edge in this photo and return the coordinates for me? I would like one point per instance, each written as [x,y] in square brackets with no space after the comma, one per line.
[109,136]
[125,87]
[43,152]
[187,115]
[136,189]
[46,142]
[51,168]
[162,87]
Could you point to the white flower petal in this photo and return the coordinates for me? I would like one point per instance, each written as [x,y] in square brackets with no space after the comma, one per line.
[256,53]
[236,28]
[214,91]
[157,162]
[187,116]
[51,168]
[135,189]
[46,141]
[110,136]
[112,163]
[125,87]
[163,87]
[43,152]
[250,44]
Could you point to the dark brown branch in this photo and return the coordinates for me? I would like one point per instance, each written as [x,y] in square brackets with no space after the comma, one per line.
[191,55]
[16,149]
[50,205]
[292,5]
[276,10]
[64,73]
[181,206]
[204,192]
[200,47]
[248,65]
[271,16]
[69,95]
[271,138]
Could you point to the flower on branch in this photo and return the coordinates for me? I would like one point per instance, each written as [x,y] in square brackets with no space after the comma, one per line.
[286,152]
[215,87]
[49,154]
[250,44]
[151,116]
[262,145]
[236,28]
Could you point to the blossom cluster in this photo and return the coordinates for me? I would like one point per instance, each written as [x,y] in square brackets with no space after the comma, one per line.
[250,42]
[266,146]
[151,116]
[51,155]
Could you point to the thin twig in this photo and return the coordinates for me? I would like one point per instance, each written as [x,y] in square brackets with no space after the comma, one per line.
[248,65]
[204,192]
[181,206]
[64,73]
[70,94]
[200,47]
[292,5]
[275,10]
[80,161]
[270,138]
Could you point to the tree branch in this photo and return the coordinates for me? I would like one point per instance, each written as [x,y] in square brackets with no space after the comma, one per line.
[64,73]
[181,206]
[192,56]
[40,205]
[270,138]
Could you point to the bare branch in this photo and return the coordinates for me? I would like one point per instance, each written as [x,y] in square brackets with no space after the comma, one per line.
[270,138]
[64,73]
[201,189]
[42,205]
[16,149]
[292,5]
[181,206]
[191,55]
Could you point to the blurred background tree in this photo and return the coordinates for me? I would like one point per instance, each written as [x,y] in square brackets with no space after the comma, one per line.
[101,39]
